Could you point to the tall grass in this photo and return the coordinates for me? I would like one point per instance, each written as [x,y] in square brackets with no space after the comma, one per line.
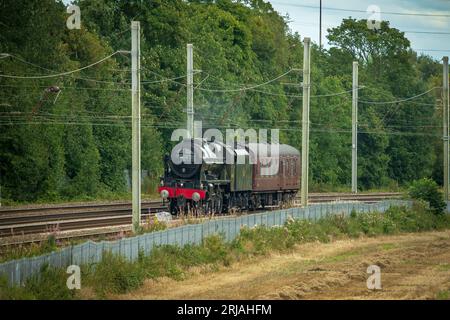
[28,250]
[114,274]
[48,284]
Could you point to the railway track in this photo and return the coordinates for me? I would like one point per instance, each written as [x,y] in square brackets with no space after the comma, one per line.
[34,220]
[51,219]
[363,197]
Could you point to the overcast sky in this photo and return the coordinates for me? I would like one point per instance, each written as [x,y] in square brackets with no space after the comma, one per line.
[305,20]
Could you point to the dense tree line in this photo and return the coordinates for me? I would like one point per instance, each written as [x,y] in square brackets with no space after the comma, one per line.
[77,142]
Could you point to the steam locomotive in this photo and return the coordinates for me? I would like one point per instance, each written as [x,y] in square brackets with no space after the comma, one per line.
[211,177]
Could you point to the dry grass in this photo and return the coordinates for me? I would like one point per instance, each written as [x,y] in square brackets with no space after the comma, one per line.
[411,269]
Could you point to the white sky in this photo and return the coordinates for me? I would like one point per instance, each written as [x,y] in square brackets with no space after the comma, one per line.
[306,20]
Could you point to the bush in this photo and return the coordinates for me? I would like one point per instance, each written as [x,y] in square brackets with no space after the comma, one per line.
[28,250]
[260,240]
[114,274]
[152,224]
[427,190]
[13,293]
[215,249]
[173,261]
[164,262]
[334,226]
[305,231]
[49,284]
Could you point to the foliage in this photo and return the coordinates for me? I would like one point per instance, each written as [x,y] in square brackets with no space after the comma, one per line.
[49,284]
[114,274]
[261,240]
[77,145]
[153,224]
[427,190]
[443,295]
[173,261]
[28,250]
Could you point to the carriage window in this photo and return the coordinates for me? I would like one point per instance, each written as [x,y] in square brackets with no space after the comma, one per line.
[287,167]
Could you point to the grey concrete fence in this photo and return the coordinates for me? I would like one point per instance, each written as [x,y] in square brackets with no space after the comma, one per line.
[17,271]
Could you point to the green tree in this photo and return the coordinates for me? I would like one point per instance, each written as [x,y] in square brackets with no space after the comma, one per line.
[427,190]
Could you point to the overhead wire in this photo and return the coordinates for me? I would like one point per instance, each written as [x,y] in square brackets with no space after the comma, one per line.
[67,87]
[249,87]
[62,73]
[53,71]
[363,11]
[174,126]
[399,100]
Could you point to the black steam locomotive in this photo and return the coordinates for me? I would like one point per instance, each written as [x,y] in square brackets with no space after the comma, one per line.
[211,177]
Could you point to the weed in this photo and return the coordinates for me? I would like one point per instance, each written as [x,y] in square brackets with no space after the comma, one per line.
[48,284]
[114,274]
[443,295]
[343,256]
[29,250]
[152,224]
[444,267]
[388,246]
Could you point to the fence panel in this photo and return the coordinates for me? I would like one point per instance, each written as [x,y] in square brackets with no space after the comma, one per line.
[17,271]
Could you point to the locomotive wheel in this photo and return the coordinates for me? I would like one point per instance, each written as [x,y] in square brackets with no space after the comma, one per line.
[173,207]
[252,204]
[214,206]
[219,202]
[218,206]
[196,209]
[208,207]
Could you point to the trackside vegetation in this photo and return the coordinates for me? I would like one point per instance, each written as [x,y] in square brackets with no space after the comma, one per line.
[115,275]
[427,190]
[28,250]
[51,243]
